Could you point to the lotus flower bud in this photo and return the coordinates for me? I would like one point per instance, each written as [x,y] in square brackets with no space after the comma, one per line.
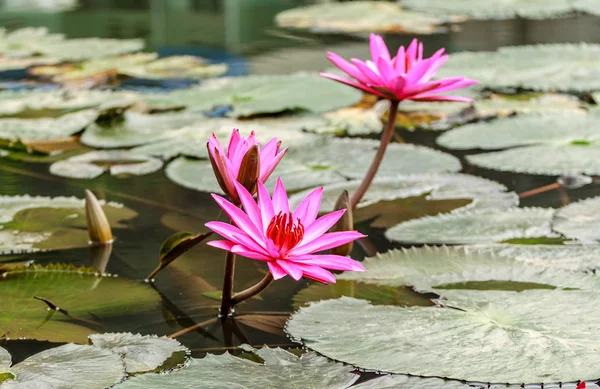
[250,169]
[98,226]
[346,223]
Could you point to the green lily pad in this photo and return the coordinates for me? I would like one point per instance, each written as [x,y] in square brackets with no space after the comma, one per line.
[5,360]
[69,366]
[191,141]
[46,128]
[440,269]
[18,63]
[351,122]
[485,226]
[30,224]
[280,369]
[116,162]
[505,105]
[507,9]
[141,353]
[261,94]
[325,161]
[86,296]
[137,129]
[85,48]
[579,220]
[180,66]
[23,42]
[406,382]
[362,16]
[535,336]
[561,67]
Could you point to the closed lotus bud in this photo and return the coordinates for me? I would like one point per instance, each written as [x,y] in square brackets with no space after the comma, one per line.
[346,223]
[217,168]
[250,169]
[99,229]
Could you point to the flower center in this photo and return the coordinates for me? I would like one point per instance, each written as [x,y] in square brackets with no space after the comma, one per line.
[285,232]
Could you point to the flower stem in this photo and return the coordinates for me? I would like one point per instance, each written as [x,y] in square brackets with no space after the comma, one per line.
[386,137]
[227,286]
[253,290]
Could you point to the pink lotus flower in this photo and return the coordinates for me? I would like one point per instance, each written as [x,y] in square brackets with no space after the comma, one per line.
[286,241]
[405,77]
[244,162]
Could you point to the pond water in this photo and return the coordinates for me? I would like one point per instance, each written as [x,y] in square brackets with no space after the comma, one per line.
[186,289]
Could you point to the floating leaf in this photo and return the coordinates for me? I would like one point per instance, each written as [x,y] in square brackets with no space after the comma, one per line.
[174,246]
[485,226]
[85,48]
[352,122]
[507,9]
[405,382]
[68,366]
[137,129]
[18,63]
[579,220]
[191,141]
[362,16]
[505,105]
[141,353]
[324,162]
[262,94]
[84,295]
[23,42]
[180,66]
[445,268]
[269,323]
[562,67]
[5,361]
[43,223]
[95,163]
[46,128]
[280,369]
[534,336]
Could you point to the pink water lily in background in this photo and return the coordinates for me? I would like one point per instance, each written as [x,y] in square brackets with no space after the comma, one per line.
[407,76]
[267,230]
[228,166]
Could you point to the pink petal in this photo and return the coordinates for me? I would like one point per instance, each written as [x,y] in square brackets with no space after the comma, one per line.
[450,84]
[248,253]
[321,226]
[269,150]
[386,70]
[240,218]
[221,244]
[400,61]
[442,98]
[420,52]
[265,205]
[235,235]
[267,168]
[327,241]
[371,76]
[398,83]
[318,274]
[276,270]
[351,83]
[436,61]
[292,269]
[280,199]
[417,89]
[272,249]
[330,261]
[346,67]
[378,48]
[411,54]
[249,206]
[417,72]
[308,209]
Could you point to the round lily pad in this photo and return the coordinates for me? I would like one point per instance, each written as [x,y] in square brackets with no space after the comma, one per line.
[23,42]
[485,226]
[46,128]
[116,162]
[83,296]
[406,382]
[579,220]
[179,66]
[262,94]
[280,369]
[30,223]
[535,336]
[362,16]
[85,48]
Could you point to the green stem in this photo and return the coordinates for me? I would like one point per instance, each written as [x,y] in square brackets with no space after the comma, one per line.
[386,137]
[253,290]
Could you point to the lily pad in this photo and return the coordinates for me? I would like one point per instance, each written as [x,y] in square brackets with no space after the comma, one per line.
[85,48]
[535,336]
[505,105]
[325,161]
[23,42]
[561,67]
[506,9]
[351,122]
[116,162]
[262,94]
[362,16]
[43,223]
[83,296]
[579,220]
[140,353]
[448,268]
[406,382]
[191,141]
[137,129]
[181,66]
[18,63]
[46,128]
[485,226]
[67,367]
[280,369]
[5,360]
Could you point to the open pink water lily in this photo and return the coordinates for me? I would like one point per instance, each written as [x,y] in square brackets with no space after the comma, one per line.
[244,162]
[287,241]
[407,76]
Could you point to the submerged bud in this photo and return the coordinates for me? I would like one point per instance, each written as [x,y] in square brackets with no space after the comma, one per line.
[250,169]
[346,223]
[99,229]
